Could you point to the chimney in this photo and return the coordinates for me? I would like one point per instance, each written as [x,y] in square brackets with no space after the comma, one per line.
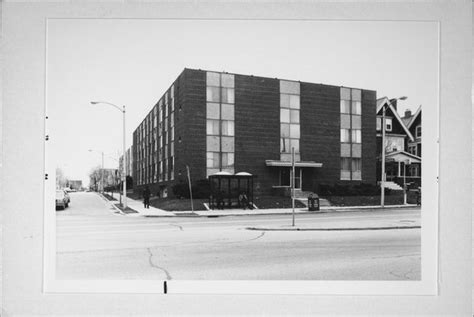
[407,113]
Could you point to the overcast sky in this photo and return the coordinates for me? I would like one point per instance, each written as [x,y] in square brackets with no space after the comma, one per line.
[133,62]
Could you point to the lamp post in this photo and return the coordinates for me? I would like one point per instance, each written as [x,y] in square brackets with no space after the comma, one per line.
[383,176]
[101,171]
[124,181]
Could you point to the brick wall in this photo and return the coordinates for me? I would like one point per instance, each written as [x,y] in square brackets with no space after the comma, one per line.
[369,148]
[192,125]
[320,133]
[257,129]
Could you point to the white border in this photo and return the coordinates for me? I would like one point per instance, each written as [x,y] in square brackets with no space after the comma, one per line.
[22,170]
[429,236]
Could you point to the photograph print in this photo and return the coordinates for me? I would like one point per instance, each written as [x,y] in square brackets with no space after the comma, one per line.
[238,149]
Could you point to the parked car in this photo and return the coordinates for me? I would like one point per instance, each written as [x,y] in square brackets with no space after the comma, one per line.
[68,197]
[62,199]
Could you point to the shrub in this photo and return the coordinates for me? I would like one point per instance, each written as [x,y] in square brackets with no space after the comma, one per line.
[362,189]
[200,189]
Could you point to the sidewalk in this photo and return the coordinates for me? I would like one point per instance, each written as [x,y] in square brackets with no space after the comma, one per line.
[156,212]
[338,225]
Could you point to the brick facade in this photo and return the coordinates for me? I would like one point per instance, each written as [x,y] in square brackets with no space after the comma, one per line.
[257,132]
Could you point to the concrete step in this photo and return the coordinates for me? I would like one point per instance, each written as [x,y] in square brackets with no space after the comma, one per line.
[392,185]
[322,202]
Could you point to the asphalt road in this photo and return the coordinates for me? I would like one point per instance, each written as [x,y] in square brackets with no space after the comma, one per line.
[94,242]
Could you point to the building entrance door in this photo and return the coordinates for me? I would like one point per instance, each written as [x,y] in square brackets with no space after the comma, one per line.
[285,177]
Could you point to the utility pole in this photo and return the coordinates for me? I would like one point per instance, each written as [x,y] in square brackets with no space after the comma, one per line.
[293,184]
[190,188]
[382,183]
[102,174]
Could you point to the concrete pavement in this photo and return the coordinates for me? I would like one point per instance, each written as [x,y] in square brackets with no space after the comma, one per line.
[94,242]
[153,211]
[386,224]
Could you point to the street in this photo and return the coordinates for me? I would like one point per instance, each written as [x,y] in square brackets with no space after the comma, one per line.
[95,242]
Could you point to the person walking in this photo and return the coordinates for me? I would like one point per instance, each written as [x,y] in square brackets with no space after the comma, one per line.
[146,197]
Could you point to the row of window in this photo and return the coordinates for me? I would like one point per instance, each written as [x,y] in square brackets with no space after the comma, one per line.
[289,119]
[351,168]
[154,162]
[220,129]
[351,134]
[225,128]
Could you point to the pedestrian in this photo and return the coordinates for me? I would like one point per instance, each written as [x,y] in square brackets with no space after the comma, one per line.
[146,197]
[220,200]
[243,200]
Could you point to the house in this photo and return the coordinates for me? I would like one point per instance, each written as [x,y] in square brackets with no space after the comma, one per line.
[400,163]
[413,123]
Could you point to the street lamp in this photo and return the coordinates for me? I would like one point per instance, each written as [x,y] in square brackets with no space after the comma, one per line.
[101,171]
[124,181]
[383,176]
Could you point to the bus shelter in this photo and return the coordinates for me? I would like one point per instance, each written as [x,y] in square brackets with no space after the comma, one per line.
[226,189]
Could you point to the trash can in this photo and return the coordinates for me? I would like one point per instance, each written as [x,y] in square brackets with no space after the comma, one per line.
[313,203]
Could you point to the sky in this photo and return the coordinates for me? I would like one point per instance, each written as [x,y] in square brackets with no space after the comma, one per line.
[132,62]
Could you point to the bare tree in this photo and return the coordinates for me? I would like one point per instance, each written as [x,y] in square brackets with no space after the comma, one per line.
[95,177]
[61,179]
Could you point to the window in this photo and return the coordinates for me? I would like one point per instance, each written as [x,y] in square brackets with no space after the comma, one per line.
[351,133]
[285,145]
[212,127]
[227,160]
[388,124]
[227,80]
[285,130]
[284,101]
[289,87]
[289,117]
[213,159]
[213,143]
[412,149]
[345,106]
[356,169]
[213,111]
[356,136]
[213,79]
[345,168]
[294,131]
[228,128]
[295,143]
[227,95]
[294,116]
[345,137]
[284,115]
[227,111]
[294,101]
[213,94]
[171,163]
[418,132]
[220,96]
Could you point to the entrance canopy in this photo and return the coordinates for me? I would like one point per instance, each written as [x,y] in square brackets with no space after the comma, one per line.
[403,157]
[297,164]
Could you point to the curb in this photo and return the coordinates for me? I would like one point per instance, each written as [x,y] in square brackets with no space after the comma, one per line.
[112,204]
[333,229]
[327,211]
